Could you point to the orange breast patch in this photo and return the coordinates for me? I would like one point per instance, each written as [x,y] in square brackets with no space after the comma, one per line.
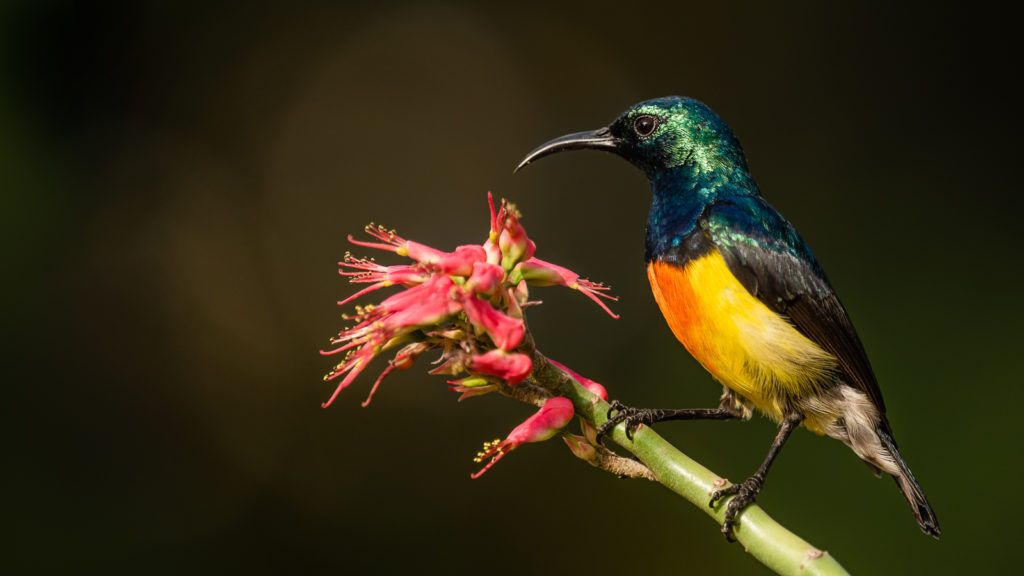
[744,344]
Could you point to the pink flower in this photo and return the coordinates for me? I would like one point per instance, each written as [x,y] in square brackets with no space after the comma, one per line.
[505,332]
[361,271]
[552,417]
[384,325]
[458,263]
[353,364]
[431,310]
[541,273]
[486,278]
[461,261]
[513,368]
[590,385]
[437,289]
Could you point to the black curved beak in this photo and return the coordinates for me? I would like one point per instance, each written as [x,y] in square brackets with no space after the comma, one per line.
[594,140]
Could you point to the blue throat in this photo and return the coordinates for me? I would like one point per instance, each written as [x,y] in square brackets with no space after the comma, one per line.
[680,196]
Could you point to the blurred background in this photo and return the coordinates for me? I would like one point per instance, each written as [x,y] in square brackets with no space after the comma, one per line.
[178,181]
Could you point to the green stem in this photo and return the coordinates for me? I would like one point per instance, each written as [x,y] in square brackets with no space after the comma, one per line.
[764,538]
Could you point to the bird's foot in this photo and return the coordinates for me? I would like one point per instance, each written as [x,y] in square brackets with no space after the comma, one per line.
[633,417]
[744,495]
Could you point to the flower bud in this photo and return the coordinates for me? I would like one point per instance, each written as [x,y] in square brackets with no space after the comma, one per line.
[580,447]
[472,386]
[515,245]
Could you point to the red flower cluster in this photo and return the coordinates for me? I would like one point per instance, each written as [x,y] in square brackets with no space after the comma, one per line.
[467,303]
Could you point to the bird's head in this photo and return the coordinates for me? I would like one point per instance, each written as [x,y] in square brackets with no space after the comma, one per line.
[657,136]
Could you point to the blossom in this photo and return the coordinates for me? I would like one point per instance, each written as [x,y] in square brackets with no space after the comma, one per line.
[361,270]
[541,273]
[505,332]
[460,262]
[422,305]
[467,303]
[353,364]
[552,417]
[385,324]
[486,279]
[510,367]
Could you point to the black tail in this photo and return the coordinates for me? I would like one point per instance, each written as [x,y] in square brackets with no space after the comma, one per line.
[908,485]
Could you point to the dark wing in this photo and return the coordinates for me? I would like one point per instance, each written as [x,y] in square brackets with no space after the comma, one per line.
[773,263]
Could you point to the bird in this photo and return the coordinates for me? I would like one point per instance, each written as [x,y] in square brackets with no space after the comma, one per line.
[743,293]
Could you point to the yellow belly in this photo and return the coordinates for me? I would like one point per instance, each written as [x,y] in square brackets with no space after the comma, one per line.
[744,344]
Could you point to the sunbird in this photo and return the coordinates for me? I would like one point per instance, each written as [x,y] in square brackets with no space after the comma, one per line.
[741,290]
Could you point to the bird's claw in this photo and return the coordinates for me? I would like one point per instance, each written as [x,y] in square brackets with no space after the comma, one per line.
[614,406]
[744,495]
[633,417]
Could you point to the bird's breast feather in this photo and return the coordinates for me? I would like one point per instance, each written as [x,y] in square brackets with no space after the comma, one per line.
[744,344]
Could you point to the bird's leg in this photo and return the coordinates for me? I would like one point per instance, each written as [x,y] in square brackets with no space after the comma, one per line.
[634,417]
[746,493]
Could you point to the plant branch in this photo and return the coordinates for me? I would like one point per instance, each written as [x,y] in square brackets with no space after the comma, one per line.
[764,538]
[609,461]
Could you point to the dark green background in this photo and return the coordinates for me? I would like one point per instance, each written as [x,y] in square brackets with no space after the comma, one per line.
[178,183]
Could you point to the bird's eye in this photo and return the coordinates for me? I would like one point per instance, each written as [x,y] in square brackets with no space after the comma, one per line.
[644,125]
